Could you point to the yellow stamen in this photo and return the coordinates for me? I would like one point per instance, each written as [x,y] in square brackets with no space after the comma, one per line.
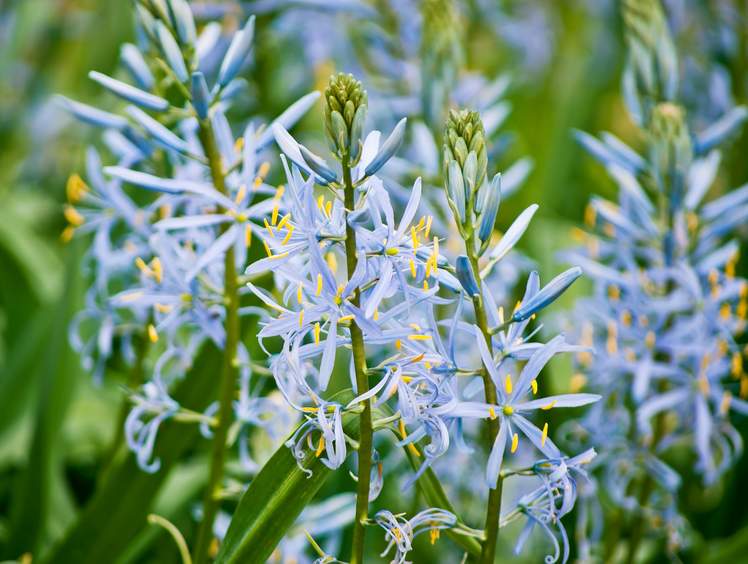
[321,202]
[247,235]
[242,192]
[73,216]
[142,266]
[429,220]
[274,215]
[736,365]
[163,308]
[398,344]
[301,319]
[268,228]
[152,333]
[434,535]
[649,340]
[724,405]
[411,447]
[577,382]
[414,237]
[419,337]
[316,333]
[491,412]
[299,293]
[508,384]
[544,436]
[320,446]
[501,315]
[614,292]
[590,215]
[288,235]
[267,248]
[426,285]
[67,234]
[549,406]
[345,318]
[158,270]
[534,386]
[515,443]
[75,188]
[279,192]
[724,311]
[264,169]
[283,221]
[332,262]
[318,291]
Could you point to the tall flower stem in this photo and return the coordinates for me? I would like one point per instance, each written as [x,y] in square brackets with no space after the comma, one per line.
[493,508]
[228,370]
[362,385]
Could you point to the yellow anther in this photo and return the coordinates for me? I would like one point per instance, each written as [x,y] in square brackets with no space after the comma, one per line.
[345,318]
[414,237]
[152,333]
[626,318]
[274,215]
[321,202]
[614,292]
[398,344]
[163,308]
[434,535]
[73,216]
[508,384]
[544,436]
[548,406]
[491,412]
[279,192]
[744,386]
[517,305]
[704,385]
[264,169]
[722,347]
[419,337]
[267,248]
[429,220]
[157,269]
[316,333]
[247,235]
[501,315]
[713,277]
[328,209]
[284,220]
[268,227]
[609,230]
[332,262]
[75,188]
[515,443]
[736,365]
[67,234]
[411,447]
[590,215]
[534,386]
[320,446]
[142,266]
[164,211]
[299,293]
[426,285]
[318,291]
[650,339]
[724,311]
[289,232]
[692,221]
[301,319]
[279,256]
[413,271]
[414,326]
[239,144]
[375,316]
[577,382]
[612,342]
[241,194]
[724,405]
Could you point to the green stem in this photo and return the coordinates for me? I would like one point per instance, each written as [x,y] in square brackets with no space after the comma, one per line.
[228,371]
[362,386]
[493,507]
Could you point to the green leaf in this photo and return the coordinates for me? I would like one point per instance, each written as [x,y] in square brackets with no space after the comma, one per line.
[38,488]
[281,490]
[117,513]
[275,498]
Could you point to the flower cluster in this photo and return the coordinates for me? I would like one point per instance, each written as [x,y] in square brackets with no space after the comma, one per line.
[668,308]
[384,306]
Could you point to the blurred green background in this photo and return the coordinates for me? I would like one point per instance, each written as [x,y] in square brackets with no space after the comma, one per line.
[55,424]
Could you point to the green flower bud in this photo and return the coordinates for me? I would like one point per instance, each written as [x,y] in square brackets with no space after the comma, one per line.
[652,65]
[441,57]
[465,163]
[671,141]
[345,113]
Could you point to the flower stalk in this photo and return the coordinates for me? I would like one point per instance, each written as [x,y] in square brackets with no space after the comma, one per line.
[228,370]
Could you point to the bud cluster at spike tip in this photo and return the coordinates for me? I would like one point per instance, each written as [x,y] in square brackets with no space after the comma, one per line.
[345,106]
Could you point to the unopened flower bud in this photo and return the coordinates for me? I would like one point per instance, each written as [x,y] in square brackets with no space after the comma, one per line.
[345,113]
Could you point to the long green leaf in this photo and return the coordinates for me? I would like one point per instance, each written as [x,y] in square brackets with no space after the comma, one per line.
[34,491]
[281,490]
[117,513]
[274,500]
